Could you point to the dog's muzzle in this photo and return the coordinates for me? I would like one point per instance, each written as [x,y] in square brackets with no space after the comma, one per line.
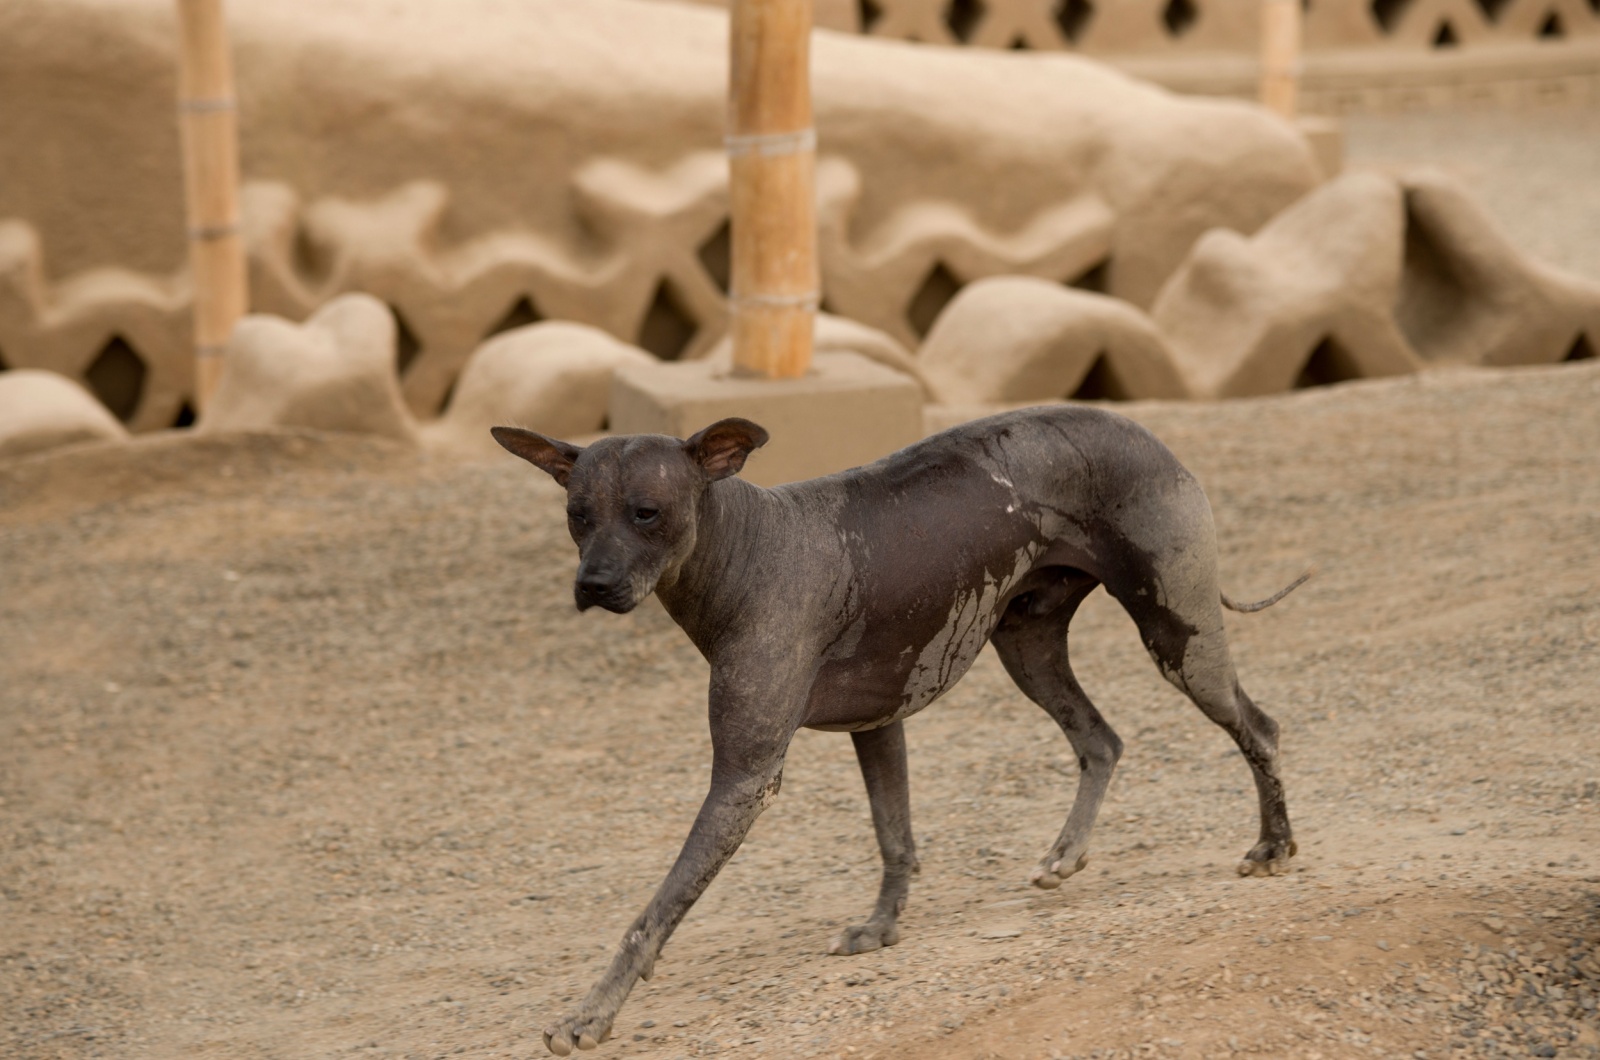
[598,590]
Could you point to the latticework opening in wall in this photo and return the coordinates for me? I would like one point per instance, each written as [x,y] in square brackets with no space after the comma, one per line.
[522,313]
[1073,17]
[449,395]
[666,330]
[310,262]
[1445,35]
[1096,278]
[870,14]
[1179,16]
[963,16]
[935,293]
[1100,383]
[1440,307]
[1387,13]
[1492,9]
[1582,349]
[406,346]
[1328,363]
[1552,28]
[116,377]
[185,416]
[716,256]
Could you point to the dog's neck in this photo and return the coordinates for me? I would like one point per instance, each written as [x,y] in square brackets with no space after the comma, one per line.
[732,532]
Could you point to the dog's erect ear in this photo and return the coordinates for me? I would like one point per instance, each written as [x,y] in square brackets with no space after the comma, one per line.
[721,448]
[547,454]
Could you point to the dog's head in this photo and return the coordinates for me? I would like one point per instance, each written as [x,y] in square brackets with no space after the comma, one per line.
[633,501]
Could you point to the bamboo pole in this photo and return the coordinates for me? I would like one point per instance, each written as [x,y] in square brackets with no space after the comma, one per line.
[208,125]
[1280,56]
[772,162]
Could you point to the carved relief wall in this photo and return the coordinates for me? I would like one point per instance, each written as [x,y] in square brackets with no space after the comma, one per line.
[1122,27]
[480,165]
[1360,54]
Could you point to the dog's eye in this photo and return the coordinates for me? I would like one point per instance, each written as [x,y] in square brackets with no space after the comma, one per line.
[578,517]
[645,516]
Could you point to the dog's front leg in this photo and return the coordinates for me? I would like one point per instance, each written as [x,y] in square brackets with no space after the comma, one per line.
[749,739]
[882,754]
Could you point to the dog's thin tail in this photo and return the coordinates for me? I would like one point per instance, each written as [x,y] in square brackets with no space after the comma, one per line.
[1262,605]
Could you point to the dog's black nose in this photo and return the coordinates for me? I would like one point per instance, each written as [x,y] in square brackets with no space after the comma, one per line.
[592,588]
[596,588]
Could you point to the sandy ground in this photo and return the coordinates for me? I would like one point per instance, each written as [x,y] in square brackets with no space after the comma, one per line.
[304,752]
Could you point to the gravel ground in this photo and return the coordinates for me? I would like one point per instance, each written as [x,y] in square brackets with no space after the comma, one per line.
[1534,170]
[304,752]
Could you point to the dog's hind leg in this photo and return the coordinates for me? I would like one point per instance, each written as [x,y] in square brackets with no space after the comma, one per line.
[1207,676]
[881,753]
[1032,643]
[1178,609]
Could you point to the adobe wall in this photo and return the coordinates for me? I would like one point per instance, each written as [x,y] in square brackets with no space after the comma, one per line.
[478,165]
[1361,55]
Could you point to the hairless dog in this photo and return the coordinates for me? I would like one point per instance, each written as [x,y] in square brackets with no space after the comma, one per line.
[850,602]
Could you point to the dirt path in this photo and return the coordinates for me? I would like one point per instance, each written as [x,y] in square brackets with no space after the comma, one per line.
[303,752]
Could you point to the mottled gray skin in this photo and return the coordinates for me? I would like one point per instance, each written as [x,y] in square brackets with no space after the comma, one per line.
[853,601]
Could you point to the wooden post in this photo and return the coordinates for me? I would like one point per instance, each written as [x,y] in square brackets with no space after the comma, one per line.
[772,162]
[208,124]
[1280,56]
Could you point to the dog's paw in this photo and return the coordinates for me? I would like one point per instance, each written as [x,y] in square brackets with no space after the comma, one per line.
[862,938]
[584,1032]
[1053,874]
[1268,858]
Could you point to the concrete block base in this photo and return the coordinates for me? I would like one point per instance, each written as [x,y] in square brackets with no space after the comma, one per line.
[846,412]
